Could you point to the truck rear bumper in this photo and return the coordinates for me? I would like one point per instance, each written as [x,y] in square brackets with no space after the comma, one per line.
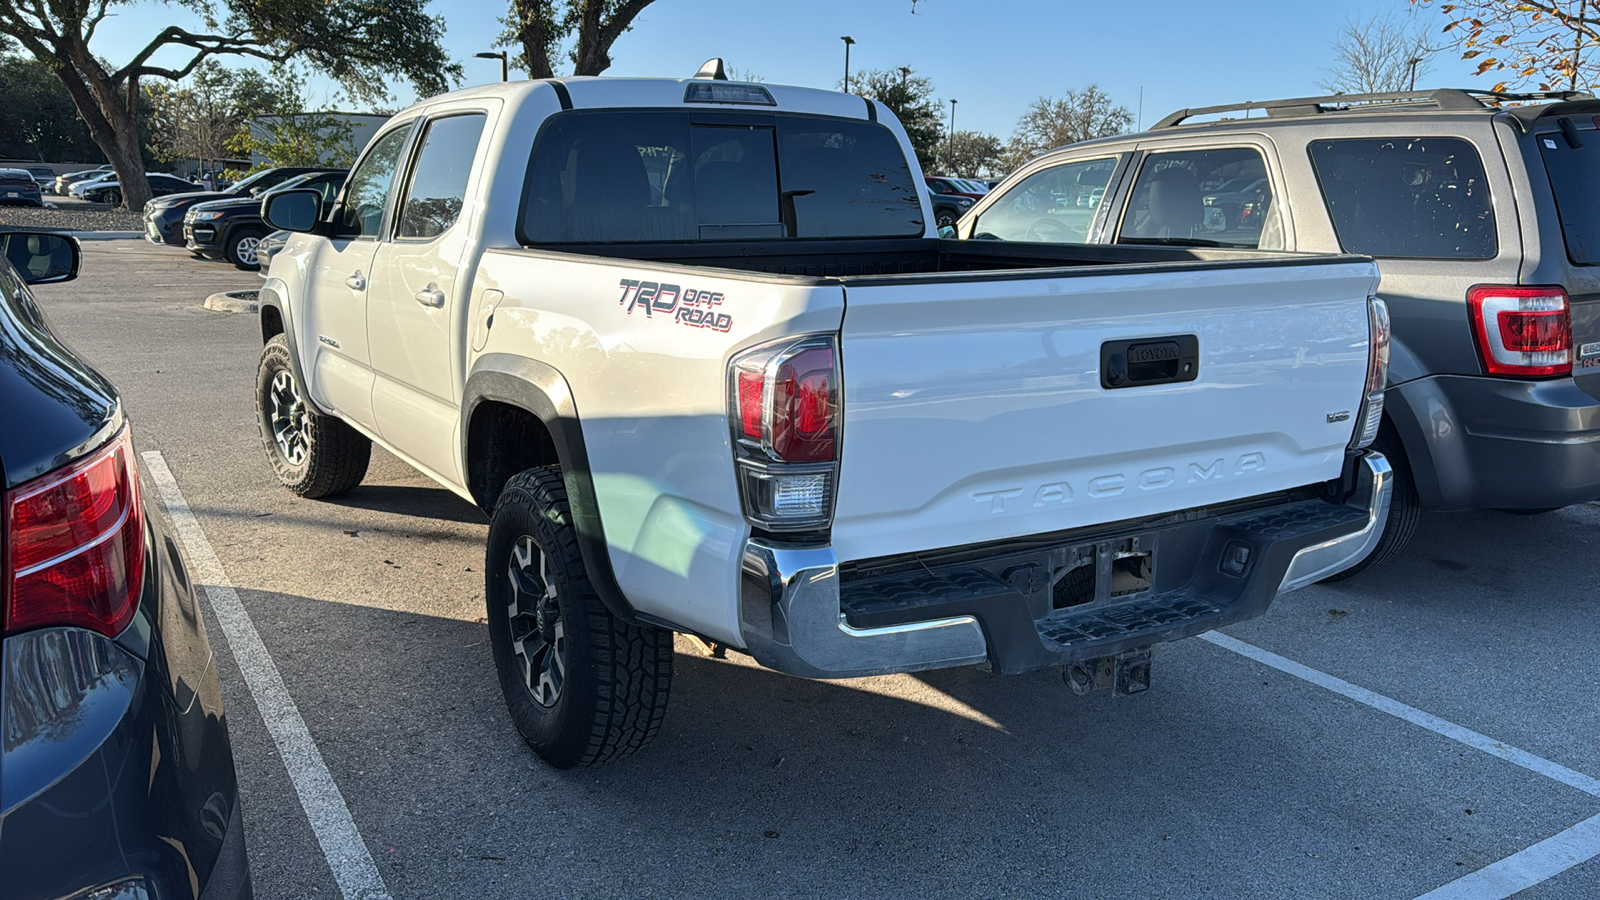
[1049,601]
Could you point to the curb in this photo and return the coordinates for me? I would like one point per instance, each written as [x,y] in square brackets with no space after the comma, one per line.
[229,302]
[107,235]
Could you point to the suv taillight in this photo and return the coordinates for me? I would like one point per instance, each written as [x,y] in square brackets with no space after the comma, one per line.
[1523,331]
[74,545]
[1377,374]
[784,411]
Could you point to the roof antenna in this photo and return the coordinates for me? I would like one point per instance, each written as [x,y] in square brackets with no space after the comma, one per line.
[713,69]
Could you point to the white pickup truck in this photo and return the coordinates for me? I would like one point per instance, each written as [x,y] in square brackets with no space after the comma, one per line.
[698,351]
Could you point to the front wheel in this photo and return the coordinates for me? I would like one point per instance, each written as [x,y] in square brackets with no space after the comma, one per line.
[945,218]
[113,198]
[313,455]
[241,248]
[582,686]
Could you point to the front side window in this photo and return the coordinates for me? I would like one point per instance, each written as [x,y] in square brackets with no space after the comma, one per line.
[1407,198]
[368,187]
[438,187]
[1053,206]
[1216,197]
[643,176]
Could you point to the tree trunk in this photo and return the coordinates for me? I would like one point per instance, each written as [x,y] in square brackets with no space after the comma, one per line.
[534,31]
[111,115]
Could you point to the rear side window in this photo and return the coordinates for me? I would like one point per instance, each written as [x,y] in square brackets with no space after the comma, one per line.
[1407,198]
[641,176]
[1054,206]
[438,187]
[1575,178]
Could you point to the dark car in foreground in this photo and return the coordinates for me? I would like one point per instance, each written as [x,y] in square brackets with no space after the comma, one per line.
[18,188]
[1480,210]
[231,229]
[116,772]
[163,217]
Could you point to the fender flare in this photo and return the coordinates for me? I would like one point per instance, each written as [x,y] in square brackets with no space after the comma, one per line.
[1409,422]
[274,295]
[542,391]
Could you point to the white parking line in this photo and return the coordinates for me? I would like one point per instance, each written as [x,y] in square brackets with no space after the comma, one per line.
[347,855]
[1517,872]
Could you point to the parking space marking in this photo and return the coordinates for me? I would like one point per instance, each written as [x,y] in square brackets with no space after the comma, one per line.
[1520,871]
[347,854]
[1517,872]
[1410,714]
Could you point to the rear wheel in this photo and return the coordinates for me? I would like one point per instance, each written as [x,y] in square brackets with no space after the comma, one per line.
[240,248]
[581,685]
[1405,507]
[312,454]
[113,198]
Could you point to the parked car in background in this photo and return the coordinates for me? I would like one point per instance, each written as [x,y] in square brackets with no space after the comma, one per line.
[947,208]
[231,229]
[109,190]
[116,772]
[17,188]
[268,246]
[44,176]
[942,185]
[1483,218]
[64,183]
[163,217]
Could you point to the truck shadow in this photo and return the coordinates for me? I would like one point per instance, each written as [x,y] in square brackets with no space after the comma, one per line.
[418,501]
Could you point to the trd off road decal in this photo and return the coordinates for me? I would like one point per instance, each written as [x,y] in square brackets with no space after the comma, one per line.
[686,306]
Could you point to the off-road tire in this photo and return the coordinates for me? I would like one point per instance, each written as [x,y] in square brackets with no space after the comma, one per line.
[617,676]
[1405,507]
[336,455]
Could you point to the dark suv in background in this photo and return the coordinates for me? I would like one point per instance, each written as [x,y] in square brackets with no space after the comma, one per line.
[231,229]
[1482,211]
[116,773]
[163,217]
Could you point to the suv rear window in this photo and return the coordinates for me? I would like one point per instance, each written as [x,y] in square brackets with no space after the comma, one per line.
[1575,178]
[1407,198]
[629,176]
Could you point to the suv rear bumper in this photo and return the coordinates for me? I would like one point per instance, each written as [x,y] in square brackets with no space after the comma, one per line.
[1498,443]
[804,613]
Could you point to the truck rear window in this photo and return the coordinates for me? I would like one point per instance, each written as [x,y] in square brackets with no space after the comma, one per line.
[1575,177]
[1407,198]
[647,175]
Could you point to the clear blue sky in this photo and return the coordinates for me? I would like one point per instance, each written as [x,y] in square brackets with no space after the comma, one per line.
[994,56]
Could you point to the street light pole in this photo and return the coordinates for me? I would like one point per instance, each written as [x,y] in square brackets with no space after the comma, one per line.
[848,40]
[1412,62]
[950,152]
[505,65]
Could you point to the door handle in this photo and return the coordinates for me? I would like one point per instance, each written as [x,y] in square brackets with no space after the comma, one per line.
[431,297]
[356,282]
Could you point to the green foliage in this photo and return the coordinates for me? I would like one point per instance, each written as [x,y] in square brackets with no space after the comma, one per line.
[973,154]
[286,133]
[197,119]
[38,119]
[910,97]
[583,29]
[1057,121]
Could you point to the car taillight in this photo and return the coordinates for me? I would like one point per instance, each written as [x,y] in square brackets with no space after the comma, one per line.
[1524,331]
[785,414]
[1378,335]
[74,545]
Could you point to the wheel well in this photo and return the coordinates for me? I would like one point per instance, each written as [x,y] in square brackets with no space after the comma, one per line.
[271,323]
[503,440]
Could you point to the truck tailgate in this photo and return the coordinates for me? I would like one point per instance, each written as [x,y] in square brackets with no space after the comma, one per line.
[974,408]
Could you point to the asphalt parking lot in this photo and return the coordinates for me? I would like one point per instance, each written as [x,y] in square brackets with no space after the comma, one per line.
[1430,727]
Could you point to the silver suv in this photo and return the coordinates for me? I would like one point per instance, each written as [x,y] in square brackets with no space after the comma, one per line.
[1481,210]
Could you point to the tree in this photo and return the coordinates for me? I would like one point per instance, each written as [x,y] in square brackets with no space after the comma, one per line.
[542,27]
[910,97]
[1077,116]
[1550,43]
[199,119]
[357,42]
[973,154]
[37,119]
[285,132]
[1377,54]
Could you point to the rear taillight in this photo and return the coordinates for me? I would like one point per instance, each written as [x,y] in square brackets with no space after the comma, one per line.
[784,411]
[1524,331]
[74,545]
[1377,374]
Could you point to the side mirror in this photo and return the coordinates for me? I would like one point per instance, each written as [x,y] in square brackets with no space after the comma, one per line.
[41,257]
[293,210]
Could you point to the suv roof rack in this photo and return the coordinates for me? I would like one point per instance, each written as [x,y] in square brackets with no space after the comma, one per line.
[1438,98]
